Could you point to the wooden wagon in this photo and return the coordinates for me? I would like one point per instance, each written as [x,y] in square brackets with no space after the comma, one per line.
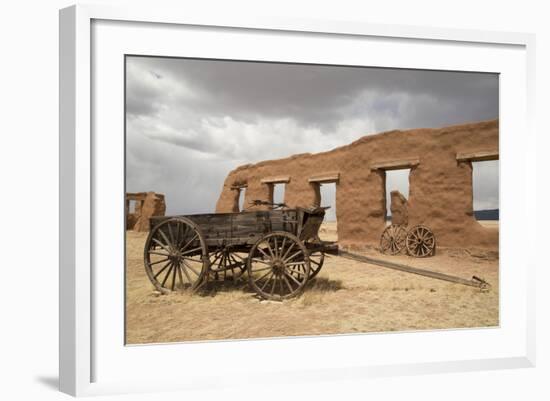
[279,250]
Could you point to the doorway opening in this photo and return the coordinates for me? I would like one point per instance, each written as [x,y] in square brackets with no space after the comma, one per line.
[396,180]
[242,195]
[132,205]
[485,188]
[329,229]
[328,198]
[278,193]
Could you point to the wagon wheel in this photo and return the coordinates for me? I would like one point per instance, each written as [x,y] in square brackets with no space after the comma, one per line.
[278,266]
[176,257]
[420,242]
[316,260]
[227,263]
[393,239]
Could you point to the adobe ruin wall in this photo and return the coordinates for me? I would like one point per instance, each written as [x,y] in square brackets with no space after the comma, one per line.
[146,205]
[399,208]
[440,182]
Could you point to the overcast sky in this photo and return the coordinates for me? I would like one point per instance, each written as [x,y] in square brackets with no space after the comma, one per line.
[189,122]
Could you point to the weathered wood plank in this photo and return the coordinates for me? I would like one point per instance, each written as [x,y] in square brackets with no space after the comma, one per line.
[241,186]
[475,282]
[276,180]
[325,178]
[227,227]
[477,156]
[395,164]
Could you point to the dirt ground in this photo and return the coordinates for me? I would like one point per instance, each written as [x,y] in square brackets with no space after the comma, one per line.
[346,297]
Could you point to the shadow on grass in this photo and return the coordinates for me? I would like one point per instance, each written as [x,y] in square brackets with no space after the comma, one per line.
[213,287]
[317,285]
[322,284]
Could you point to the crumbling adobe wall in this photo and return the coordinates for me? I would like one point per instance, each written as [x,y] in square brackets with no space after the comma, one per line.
[440,186]
[399,208]
[148,204]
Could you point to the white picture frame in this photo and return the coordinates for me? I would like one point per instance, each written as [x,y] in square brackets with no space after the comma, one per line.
[85,332]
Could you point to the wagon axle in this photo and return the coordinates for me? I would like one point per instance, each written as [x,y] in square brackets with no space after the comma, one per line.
[278,267]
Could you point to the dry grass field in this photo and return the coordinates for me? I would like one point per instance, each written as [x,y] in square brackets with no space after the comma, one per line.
[346,297]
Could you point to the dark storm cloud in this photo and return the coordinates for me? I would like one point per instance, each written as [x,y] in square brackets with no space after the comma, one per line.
[200,118]
[319,96]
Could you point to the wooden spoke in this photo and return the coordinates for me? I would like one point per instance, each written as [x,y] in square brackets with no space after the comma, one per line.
[292,277]
[169,235]
[167,275]
[263,253]
[180,276]
[262,269]
[186,274]
[293,256]
[189,267]
[316,258]
[174,278]
[288,250]
[264,276]
[189,243]
[184,231]
[287,283]
[165,238]
[260,264]
[172,241]
[283,246]
[163,246]
[420,242]
[236,255]
[268,272]
[227,261]
[300,263]
[234,263]
[300,273]
[193,258]
[177,238]
[225,264]
[192,250]
[270,250]
[276,249]
[163,269]
[314,262]
[273,286]
[159,261]
[159,253]
[217,256]
[266,281]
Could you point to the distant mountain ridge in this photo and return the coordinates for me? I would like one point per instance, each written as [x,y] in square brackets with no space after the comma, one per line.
[490,214]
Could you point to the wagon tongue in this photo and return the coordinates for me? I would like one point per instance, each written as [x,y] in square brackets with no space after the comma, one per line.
[484,285]
[327,247]
[474,282]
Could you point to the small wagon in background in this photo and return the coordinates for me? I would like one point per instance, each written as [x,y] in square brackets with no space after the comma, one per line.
[279,250]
